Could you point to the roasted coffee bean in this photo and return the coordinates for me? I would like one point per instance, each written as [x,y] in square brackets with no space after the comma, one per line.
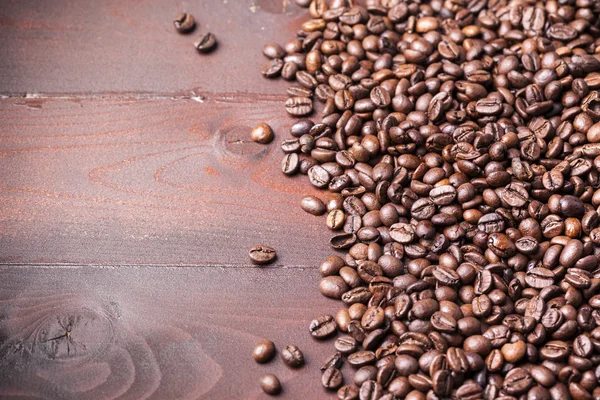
[299,106]
[290,164]
[334,361]
[313,205]
[206,43]
[273,50]
[517,381]
[292,356]
[264,351]
[346,344]
[319,176]
[262,133]
[332,378]
[361,358]
[261,254]
[322,327]
[184,23]
[348,393]
[270,384]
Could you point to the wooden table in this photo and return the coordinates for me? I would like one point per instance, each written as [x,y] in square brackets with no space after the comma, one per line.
[130,193]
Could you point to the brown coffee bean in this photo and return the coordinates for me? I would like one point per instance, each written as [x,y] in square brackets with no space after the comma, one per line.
[292,356]
[270,384]
[261,254]
[264,351]
[322,327]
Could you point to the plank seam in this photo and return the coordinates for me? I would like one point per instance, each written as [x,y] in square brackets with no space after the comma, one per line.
[199,97]
[11,265]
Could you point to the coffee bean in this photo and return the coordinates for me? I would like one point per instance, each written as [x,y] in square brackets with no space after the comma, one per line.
[313,205]
[206,43]
[261,254]
[333,287]
[333,361]
[292,356]
[346,344]
[273,50]
[332,378]
[184,23]
[517,381]
[514,352]
[290,164]
[270,384]
[319,176]
[348,393]
[322,327]
[515,195]
[443,322]
[264,351]
[299,106]
[262,133]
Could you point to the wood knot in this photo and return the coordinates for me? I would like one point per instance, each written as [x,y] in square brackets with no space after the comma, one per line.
[237,141]
[73,335]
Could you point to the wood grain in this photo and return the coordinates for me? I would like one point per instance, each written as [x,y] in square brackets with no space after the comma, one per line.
[155,332]
[103,181]
[124,155]
[114,46]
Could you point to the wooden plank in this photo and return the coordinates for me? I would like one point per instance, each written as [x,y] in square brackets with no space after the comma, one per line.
[115,46]
[139,332]
[154,181]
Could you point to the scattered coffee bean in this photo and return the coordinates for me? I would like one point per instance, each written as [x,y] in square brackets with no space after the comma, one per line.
[206,43]
[270,384]
[262,133]
[184,23]
[332,378]
[292,356]
[264,351]
[260,254]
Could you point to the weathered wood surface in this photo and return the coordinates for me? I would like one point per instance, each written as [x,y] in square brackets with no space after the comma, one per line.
[139,332]
[115,46]
[173,182]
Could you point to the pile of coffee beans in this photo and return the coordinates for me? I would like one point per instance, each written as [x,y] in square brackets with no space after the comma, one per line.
[459,143]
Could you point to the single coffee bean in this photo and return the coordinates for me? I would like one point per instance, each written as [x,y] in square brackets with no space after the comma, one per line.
[361,358]
[206,43]
[292,356]
[270,384]
[264,351]
[290,164]
[262,133]
[322,327]
[332,378]
[313,205]
[319,176]
[261,254]
[333,287]
[273,50]
[184,23]
[348,393]
[334,361]
[299,106]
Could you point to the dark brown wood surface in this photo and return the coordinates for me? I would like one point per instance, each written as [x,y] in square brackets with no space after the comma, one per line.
[144,332]
[129,195]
